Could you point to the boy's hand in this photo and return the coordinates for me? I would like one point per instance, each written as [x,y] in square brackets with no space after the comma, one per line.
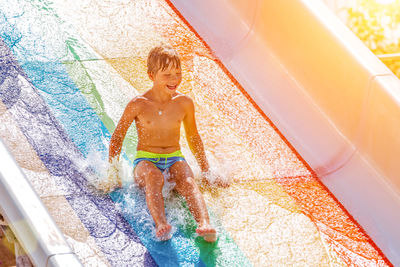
[113,180]
[213,178]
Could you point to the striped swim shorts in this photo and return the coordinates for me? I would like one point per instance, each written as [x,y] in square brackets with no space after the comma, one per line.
[161,161]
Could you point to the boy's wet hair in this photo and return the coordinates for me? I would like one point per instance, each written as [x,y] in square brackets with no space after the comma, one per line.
[161,57]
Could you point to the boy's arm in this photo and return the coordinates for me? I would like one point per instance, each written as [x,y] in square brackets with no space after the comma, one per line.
[193,137]
[130,113]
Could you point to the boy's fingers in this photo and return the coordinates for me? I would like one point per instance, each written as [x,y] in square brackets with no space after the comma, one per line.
[102,187]
[105,187]
[223,184]
[217,182]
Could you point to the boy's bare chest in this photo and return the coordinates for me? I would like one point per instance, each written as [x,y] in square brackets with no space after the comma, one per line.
[161,117]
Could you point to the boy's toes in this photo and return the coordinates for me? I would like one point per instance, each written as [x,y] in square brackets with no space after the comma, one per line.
[163,232]
[208,233]
[210,237]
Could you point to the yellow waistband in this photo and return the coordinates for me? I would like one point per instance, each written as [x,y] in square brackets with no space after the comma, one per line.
[146,154]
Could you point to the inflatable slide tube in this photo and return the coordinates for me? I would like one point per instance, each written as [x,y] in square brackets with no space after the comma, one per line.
[28,218]
[334,101]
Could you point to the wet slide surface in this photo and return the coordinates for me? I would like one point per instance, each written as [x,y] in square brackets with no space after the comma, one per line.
[67,70]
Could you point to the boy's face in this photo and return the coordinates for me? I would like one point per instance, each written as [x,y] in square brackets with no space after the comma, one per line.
[167,79]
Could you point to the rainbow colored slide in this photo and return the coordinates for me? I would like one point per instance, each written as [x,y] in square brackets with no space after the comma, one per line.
[281,105]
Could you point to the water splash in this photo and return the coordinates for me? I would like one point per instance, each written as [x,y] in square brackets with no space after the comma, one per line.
[219,168]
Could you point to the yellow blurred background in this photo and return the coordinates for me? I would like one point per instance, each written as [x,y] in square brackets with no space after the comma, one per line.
[376,23]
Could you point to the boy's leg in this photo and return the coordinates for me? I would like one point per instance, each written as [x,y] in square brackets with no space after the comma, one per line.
[186,186]
[151,178]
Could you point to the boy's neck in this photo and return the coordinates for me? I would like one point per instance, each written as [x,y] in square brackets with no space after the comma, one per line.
[160,96]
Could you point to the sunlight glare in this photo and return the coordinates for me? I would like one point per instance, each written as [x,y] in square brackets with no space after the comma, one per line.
[385,2]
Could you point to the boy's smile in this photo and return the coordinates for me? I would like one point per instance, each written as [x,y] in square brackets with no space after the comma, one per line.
[172,87]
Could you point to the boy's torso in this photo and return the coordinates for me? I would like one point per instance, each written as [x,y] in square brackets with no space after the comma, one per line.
[158,124]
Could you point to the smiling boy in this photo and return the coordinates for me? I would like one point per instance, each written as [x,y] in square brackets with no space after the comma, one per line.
[158,114]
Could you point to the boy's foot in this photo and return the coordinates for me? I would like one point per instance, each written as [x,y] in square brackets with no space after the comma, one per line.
[163,231]
[207,232]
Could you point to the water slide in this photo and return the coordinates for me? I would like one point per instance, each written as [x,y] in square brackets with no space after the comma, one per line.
[290,105]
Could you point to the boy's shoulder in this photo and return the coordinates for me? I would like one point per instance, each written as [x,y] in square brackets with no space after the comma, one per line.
[139,99]
[184,101]
[183,97]
[136,104]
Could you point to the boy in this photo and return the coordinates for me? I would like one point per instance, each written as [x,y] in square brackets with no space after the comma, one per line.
[158,114]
